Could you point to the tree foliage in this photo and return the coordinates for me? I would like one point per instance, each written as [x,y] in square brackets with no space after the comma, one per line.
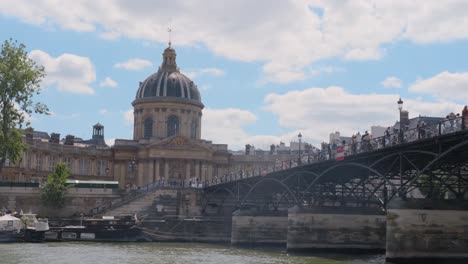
[20,79]
[54,191]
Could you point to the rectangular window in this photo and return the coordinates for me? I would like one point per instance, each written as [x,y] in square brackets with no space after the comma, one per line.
[68,161]
[38,161]
[101,167]
[25,161]
[52,162]
[84,165]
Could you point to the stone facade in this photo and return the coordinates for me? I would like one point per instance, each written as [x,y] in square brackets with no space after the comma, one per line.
[166,142]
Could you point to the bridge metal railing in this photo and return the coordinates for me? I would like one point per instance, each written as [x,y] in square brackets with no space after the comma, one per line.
[360,145]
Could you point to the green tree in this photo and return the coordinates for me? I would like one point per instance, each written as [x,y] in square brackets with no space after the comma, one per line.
[54,191]
[20,79]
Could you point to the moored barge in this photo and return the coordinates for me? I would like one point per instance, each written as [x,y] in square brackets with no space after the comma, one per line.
[106,229]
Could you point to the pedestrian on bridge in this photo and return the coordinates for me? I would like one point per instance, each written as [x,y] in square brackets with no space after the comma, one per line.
[353,144]
[465,117]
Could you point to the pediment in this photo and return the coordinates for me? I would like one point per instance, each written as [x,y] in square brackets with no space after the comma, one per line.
[179,143]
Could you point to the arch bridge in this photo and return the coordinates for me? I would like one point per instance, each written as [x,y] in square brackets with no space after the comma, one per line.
[428,162]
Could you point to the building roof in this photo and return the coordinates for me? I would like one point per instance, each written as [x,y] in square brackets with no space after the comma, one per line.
[413,122]
[41,135]
[168,83]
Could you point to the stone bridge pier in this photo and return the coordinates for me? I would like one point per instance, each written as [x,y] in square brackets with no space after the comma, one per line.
[259,228]
[426,231]
[336,229]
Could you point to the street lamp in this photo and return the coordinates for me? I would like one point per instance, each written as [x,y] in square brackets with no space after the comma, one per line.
[300,141]
[400,104]
[400,108]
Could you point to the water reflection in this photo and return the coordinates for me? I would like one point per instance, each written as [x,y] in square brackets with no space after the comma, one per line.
[144,253]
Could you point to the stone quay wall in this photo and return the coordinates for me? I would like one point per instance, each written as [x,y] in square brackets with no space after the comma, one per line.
[255,229]
[421,229]
[335,230]
[78,200]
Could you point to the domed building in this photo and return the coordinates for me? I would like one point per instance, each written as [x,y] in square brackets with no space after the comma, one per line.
[166,144]
[167,140]
[167,104]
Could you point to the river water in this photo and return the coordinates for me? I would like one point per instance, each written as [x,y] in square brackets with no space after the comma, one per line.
[173,253]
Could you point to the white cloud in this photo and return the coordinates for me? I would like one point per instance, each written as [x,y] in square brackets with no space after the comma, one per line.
[361,54]
[444,85]
[128,117]
[108,82]
[110,141]
[68,72]
[203,71]
[316,112]
[134,64]
[392,82]
[321,70]
[356,30]
[103,111]
[225,126]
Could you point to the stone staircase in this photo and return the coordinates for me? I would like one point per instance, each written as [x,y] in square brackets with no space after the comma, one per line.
[165,201]
[136,206]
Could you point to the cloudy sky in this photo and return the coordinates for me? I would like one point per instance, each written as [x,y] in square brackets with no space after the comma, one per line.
[267,70]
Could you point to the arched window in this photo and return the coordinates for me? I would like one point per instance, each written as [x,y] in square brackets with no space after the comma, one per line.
[193,129]
[148,128]
[172,126]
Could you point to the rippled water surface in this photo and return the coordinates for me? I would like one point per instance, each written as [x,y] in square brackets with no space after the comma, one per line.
[146,253]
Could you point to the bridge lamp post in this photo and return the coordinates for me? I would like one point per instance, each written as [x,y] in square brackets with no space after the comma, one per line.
[400,108]
[300,141]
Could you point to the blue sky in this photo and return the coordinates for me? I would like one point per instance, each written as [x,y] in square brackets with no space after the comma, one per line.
[298,66]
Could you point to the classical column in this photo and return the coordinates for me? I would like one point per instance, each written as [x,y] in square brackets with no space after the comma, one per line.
[197,170]
[166,169]
[210,171]
[203,177]
[121,169]
[157,175]
[141,168]
[150,172]
[187,170]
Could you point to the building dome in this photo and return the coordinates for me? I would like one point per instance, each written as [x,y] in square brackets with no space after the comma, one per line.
[168,83]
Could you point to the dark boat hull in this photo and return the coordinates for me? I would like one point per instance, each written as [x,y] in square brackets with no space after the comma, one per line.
[133,234]
[9,236]
[34,236]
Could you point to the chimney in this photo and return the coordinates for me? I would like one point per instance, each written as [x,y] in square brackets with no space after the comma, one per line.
[69,140]
[272,149]
[54,138]
[247,149]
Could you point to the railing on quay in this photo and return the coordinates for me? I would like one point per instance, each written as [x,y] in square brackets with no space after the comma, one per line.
[360,145]
[130,194]
[19,184]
